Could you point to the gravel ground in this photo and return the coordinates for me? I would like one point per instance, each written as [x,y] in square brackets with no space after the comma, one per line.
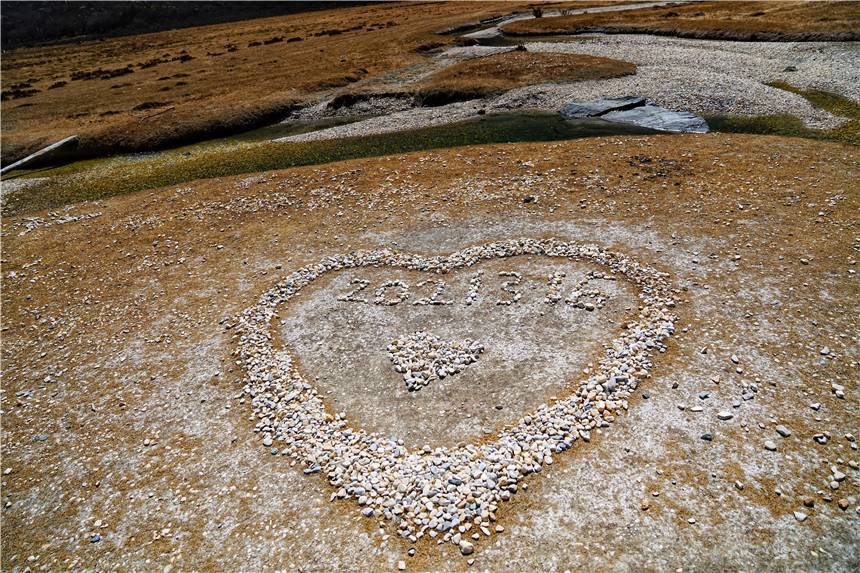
[127,443]
[702,76]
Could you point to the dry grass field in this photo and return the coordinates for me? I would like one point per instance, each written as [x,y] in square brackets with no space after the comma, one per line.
[167,88]
[768,21]
[200,345]
[123,416]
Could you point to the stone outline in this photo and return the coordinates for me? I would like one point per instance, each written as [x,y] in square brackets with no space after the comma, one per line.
[444,491]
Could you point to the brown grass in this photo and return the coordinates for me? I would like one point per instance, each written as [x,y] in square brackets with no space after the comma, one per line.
[276,63]
[169,88]
[761,21]
[481,77]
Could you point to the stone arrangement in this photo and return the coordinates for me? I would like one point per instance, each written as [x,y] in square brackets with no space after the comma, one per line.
[447,494]
[475,284]
[423,357]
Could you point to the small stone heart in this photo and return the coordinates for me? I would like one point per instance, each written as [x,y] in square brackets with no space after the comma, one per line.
[423,357]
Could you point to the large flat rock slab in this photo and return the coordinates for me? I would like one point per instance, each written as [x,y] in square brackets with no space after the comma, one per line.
[661,119]
[635,110]
[599,107]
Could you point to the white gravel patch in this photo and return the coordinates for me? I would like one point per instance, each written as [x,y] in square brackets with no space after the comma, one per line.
[701,76]
[707,76]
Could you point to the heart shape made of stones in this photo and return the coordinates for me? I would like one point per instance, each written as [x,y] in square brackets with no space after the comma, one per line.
[438,492]
[422,357]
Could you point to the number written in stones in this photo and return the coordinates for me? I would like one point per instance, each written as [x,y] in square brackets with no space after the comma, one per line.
[582,293]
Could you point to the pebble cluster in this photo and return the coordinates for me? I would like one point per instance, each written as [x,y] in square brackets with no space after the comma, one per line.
[448,494]
[475,284]
[585,296]
[423,357]
[508,287]
[401,294]
[433,299]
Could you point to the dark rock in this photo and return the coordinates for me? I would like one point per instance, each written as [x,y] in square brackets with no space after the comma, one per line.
[597,108]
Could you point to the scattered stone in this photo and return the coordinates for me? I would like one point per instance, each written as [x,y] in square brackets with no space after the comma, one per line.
[783,431]
[838,390]
[423,357]
[800,516]
[769,446]
[843,504]
[725,415]
[466,548]
[707,436]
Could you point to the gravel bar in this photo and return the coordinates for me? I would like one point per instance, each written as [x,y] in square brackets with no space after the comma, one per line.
[701,76]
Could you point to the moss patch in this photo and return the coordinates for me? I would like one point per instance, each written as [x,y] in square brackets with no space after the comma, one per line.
[789,125]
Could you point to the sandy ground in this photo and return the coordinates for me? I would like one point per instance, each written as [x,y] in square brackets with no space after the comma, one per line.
[127,446]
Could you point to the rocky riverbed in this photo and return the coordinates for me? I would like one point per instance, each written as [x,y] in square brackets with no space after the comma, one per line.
[700,76]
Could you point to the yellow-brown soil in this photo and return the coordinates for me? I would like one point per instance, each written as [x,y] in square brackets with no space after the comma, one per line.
[120,398]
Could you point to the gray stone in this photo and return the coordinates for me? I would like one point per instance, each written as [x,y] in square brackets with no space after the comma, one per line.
[596,108]
[783,431]
[661,119]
